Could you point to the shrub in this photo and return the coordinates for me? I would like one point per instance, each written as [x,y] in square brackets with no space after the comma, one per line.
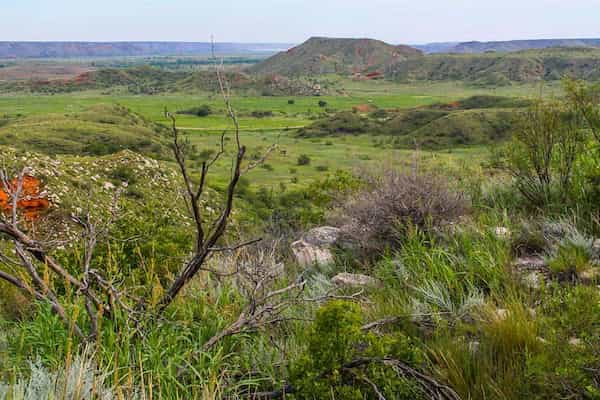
[574,255]
[336,340]
[379,113]
[544,152]
[322,168]
[291,101]
[262,114]
[378,216]
[82,380]
[322,103]
[202,111]
[303,159]
[124,173]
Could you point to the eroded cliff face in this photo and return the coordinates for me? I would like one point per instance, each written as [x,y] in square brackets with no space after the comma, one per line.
[32,200]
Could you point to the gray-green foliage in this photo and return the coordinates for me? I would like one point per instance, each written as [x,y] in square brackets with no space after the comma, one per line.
[81,380]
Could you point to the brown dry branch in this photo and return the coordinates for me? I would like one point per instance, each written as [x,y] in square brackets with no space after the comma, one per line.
[258,275]
[379,215]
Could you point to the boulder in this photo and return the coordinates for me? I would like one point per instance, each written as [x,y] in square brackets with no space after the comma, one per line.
[314,248]
[356,280]
[533,271]
[535,263]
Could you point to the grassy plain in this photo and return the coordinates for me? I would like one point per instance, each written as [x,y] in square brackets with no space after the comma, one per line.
[326,155]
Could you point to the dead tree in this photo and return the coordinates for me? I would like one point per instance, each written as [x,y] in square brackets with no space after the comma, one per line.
[208,233]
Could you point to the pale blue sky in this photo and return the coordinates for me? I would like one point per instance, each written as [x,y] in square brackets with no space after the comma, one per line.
[396,21]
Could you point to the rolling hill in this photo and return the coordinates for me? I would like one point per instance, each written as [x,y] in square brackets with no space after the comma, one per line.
[501,68]
[99,130]
[149,80]
[478,120]
[475,47]
[321,55]
[367,58]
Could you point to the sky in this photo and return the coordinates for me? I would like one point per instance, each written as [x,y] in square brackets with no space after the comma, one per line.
[293,21]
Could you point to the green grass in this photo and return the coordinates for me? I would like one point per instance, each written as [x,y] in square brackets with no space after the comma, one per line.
[382,94]
[345,153]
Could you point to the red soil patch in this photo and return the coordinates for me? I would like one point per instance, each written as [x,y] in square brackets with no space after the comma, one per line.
[31,202]
[363,108]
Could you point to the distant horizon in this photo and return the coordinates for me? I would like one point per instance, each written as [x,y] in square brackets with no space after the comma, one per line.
[297,43]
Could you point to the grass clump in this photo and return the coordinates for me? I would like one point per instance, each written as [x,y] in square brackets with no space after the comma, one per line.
[303,159]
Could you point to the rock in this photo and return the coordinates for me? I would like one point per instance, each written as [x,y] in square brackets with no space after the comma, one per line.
[108,186]
[533,270]
[346,279]
[531,263]
[502,232]
[589,276]
[324,235]
[576,342]
[315,247]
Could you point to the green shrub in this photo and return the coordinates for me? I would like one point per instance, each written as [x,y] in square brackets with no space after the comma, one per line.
[336,340]
[124,173]
[322,103]
[202,111]
[544,152]
[303,159]
[262,114]
[571,258]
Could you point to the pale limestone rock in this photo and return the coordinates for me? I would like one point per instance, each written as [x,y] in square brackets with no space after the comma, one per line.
[346,279]
[315,248]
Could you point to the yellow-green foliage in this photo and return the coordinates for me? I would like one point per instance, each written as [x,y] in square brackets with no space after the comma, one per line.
[335,340]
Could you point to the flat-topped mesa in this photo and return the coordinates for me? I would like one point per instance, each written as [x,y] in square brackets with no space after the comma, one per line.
[322,55]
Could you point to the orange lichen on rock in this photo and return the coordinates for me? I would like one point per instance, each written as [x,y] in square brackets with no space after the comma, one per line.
[31,202]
